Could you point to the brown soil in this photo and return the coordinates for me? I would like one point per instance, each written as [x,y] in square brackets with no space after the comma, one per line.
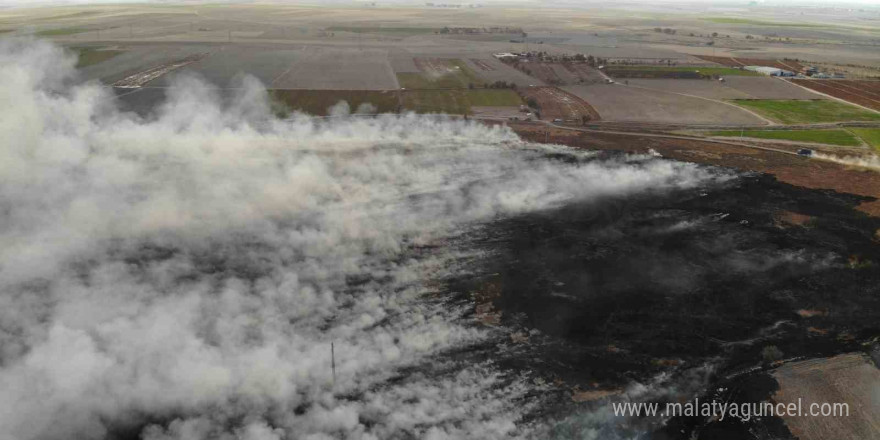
[559,74]
[785,219]
[559,104]
[795,170]
[847,378]
[482,65]
[865,93]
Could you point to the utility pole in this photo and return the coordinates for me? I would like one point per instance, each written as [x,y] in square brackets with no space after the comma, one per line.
[333,361]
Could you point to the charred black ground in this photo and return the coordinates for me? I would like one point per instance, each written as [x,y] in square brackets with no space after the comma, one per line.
[623,289]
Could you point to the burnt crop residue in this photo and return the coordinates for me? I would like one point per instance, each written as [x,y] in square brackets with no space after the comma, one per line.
[623,289]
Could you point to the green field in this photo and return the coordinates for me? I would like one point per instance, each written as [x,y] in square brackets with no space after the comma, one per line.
[807,111]
[62,31]
[871,136]
[672,70]
[832,137]
[383,30]
[453,102]
[458,102]
[87,56]
[461,77]
[493,98]
[316,102]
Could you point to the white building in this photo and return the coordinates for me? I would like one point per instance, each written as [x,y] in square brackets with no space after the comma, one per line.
[771,71]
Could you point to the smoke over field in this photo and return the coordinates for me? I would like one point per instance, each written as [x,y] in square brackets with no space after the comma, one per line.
[182,276]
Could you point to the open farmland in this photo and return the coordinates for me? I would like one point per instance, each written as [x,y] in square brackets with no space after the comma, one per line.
[542,71]
[622,103]
[404,31]
[792,65]
[870,136]
[585,74]
[87,56]
[847,378]
[318,102]
[491,70]
[733,87]
[62,32]
[831,137]
[559,73]
[554,103]
[675,72]
[807,111]
[337,68]
[458,101]
[493,98]
[861,92]
[439,73]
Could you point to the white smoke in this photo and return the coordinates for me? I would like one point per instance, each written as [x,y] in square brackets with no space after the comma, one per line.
[869,161]
[186,274]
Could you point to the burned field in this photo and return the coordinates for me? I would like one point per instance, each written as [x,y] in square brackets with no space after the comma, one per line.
[862,92]
[624,289]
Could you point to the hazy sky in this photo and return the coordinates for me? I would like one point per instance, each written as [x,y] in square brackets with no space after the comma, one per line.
[723,3]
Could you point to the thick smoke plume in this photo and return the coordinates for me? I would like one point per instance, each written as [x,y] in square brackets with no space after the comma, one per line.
[183,275]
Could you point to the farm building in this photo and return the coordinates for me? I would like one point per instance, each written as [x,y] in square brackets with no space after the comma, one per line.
[770,71]
[504,55]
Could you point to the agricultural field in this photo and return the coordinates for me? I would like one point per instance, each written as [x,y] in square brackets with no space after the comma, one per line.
[849,378]
[753,22]
[439,73]
[491,70]
[554,103]
[740,62]
[336,69]
[870,136]
[734,87]
[317,102]
[676,72]
[87,56]
[831,137]
[807,111]
[560,74]
[633,104]
[402,31]
[453,102]
[458,101]
[493,98]
[62,32]
[862,92]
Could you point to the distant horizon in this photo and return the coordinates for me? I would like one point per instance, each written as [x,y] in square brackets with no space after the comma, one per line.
[544,3]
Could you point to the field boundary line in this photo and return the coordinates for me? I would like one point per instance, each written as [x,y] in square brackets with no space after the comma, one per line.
[831,97]
[753,113]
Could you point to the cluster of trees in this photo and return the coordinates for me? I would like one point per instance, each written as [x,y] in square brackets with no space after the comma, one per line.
[668,31]
[474,30]
[495,85]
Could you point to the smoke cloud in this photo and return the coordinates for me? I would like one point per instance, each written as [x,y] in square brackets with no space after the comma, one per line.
[868,161]
[183,275]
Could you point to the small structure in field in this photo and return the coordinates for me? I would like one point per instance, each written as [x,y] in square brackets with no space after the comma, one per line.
[770,71]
